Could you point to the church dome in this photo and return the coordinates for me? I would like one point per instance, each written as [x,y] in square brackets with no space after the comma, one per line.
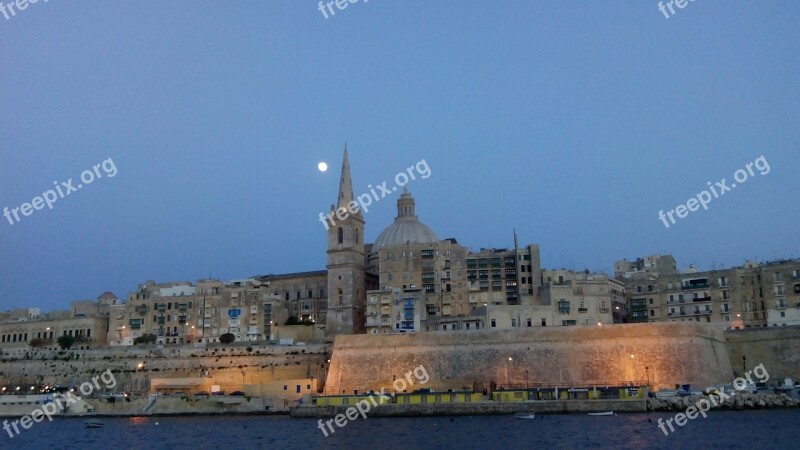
[406,229]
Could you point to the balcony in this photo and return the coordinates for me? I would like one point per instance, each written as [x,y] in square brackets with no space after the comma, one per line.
[701,299]
[604,310]
[583,310]
[695,286]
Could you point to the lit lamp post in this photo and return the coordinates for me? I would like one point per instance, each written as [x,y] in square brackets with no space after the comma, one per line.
[508,367]
[633,365]
[139,368]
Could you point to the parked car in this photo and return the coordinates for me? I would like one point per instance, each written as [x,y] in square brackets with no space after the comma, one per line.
[237,394]
[218,393]
[201,394]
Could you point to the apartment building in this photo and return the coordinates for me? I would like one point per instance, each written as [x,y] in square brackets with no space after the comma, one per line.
[752,295]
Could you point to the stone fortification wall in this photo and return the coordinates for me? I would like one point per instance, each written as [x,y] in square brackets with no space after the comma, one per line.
[778,348]
[225,364]
[666,353]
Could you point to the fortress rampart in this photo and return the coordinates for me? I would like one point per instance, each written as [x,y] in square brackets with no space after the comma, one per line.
[666,353]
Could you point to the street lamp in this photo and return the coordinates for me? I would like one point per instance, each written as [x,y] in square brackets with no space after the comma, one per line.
[508,366]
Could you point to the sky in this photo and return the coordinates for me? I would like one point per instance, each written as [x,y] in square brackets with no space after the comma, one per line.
[572,122]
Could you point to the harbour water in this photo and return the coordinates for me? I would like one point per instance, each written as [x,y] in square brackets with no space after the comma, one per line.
[762,429]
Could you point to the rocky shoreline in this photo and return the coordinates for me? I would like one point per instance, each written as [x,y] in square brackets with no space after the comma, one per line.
[736,401]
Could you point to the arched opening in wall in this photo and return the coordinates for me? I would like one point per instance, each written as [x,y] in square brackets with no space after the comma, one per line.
[341,235]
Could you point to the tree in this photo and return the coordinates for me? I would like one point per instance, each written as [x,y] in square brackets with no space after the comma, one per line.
[147,338]
[65,341]
[227,338]
[38,342]
[292,320]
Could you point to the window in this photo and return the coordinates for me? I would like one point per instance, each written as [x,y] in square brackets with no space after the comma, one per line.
[341,235]
[494,324]
[513,323]
[530,323]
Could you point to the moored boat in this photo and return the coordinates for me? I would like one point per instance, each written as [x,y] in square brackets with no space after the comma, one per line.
[94,423]
[604,413]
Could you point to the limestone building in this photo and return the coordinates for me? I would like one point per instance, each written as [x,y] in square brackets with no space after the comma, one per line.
[180,313]
[752,295]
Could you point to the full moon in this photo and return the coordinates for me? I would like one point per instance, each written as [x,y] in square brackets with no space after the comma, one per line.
[322,166]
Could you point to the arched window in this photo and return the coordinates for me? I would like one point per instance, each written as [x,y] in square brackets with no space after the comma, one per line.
[341,235]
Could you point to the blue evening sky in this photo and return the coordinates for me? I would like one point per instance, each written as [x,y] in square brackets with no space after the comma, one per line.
[573,121]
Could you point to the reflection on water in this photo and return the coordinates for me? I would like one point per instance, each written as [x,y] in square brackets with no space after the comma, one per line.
[722,429]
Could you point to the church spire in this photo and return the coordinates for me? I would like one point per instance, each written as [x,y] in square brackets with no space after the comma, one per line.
[345,184]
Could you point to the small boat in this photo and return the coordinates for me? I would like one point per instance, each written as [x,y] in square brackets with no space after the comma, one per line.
[94,423]
[604,413]
[524,416]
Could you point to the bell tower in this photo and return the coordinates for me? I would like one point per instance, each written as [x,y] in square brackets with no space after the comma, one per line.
[346,277]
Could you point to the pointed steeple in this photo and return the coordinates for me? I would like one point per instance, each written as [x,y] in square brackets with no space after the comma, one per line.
[345,184]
